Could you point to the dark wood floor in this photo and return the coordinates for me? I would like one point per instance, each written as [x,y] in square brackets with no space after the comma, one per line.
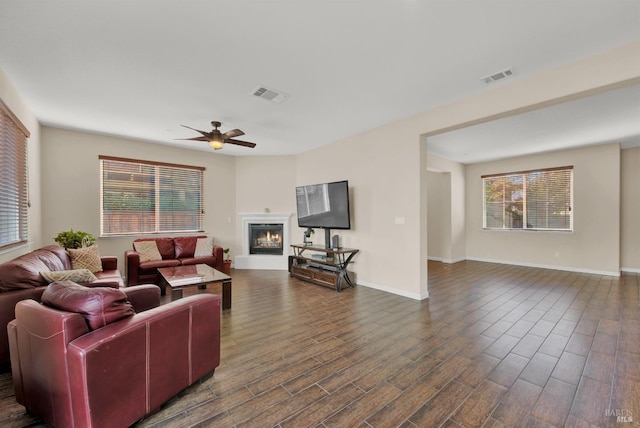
[494,346]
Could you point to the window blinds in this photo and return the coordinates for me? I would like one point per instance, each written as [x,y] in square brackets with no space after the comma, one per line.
[14,193]
[139,197]
[536,200]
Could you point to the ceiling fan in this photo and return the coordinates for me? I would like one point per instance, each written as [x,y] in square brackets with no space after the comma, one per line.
[217,139]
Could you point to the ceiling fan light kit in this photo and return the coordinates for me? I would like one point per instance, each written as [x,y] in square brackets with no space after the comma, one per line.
[216,143]
[217,139]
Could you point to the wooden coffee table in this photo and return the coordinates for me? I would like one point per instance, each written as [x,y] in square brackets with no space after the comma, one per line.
[180,277]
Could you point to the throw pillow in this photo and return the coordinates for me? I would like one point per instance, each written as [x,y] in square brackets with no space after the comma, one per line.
[100,306]
[86,258]
[75,275]
[204,248]
[148,251]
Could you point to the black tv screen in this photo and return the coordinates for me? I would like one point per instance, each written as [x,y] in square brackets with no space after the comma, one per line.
[324,205]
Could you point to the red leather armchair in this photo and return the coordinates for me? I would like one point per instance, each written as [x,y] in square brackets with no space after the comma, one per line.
[114,375]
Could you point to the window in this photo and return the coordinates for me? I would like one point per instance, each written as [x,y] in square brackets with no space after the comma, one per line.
[532,200]
[139,197]
[14,190]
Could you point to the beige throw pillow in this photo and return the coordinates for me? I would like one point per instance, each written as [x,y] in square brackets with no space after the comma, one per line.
[86,258]
[148,251]
[204,248]
[76,275]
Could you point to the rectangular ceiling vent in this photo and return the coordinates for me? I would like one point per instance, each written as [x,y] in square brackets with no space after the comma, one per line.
[269,94]
[500,75]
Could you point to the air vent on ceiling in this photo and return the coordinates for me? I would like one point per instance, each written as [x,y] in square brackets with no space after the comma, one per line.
[500,75]
[269,94]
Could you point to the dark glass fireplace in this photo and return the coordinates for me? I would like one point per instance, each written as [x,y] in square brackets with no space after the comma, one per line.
[265,238]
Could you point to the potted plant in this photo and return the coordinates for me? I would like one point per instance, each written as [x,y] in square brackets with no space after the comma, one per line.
[226,263]
[74,239]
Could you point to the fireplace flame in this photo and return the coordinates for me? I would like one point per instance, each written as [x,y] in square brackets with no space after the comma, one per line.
[269,240]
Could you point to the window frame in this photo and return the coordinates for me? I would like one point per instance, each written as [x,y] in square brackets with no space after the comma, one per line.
[158,199]
[525,200]
[14,179]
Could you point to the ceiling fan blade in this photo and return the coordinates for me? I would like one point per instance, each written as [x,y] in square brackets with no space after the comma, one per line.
[197,130]
[233,133]
[240,143]
[194,139]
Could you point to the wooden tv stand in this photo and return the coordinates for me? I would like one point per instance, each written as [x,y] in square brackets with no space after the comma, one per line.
[320,265]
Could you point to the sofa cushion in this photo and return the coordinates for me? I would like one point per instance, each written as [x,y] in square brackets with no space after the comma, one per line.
[184,246]
[209,260]
[54,256]
[111,278]
[148,251]
[24,271]
[61,257]
[154,265]
[99,305]
[75,275]
[86,258]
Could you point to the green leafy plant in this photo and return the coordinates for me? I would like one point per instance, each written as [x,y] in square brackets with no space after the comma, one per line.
[73,239]
[226,253]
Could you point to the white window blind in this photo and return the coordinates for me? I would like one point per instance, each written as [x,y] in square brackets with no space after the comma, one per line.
[14,192]
[535,200]
[140,197]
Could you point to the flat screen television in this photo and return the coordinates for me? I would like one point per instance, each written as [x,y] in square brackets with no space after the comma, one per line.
[324,205]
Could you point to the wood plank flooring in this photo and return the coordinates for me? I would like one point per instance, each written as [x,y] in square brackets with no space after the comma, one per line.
[494,346]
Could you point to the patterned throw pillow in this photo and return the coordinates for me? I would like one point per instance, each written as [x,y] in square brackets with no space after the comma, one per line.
[204,248]
[148,251]
[86,258]
[76,275]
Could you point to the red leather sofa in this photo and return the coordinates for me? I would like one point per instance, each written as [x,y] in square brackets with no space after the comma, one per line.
[20,279]
[176,251]
[111,376]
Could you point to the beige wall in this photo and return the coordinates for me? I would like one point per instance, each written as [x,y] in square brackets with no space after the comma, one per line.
[71,185]
[383,169]
[438,214]
[454,246]
[14,101]
[593,246]
[265,182]
[630,210]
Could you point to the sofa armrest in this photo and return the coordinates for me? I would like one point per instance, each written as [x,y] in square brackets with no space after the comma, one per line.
[143,297]
[132,262]
[218,252]
[38,339]
[8,303]
[110,284]
[109,262]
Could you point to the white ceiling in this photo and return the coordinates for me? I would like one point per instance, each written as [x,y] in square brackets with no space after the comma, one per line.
[611,117]
[140,68]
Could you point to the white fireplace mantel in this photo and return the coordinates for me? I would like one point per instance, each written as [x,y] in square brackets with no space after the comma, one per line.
[264,261]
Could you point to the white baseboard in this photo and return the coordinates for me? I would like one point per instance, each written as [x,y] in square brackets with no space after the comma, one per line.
[449,261]
[385,288]
[541,266]
[630,270]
